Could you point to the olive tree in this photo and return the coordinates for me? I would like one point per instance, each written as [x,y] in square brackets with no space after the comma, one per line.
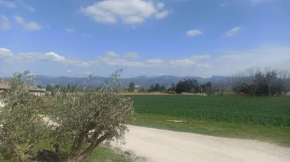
[21,126]
[81,121]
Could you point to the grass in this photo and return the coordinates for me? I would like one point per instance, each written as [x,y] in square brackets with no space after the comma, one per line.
[264,119]
[101,154]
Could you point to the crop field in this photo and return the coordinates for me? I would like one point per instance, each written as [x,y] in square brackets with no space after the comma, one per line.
[261,118]
[262,111]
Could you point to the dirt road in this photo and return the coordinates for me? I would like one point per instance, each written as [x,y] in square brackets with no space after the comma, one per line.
[168,146]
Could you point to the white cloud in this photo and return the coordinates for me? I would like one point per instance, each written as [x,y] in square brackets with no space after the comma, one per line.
[4,52]
[155,61]
[69,71]
[27,7]
[7,4]
[160,5]
[161,15]
[233,31]
[111,54]
[4,23]
[110,58]
[132,55]
[31,57]
[31,26]
[15,4]
[31,9]
[69,30]
[114,61]
[128,11]
[222,63]
[194,33]
[191,61]
[4,18]
[264,56]
[55,57]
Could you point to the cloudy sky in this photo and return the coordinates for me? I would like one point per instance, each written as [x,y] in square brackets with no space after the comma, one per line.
[143,37]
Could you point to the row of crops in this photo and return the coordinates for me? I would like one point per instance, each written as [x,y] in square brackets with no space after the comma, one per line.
[263,111]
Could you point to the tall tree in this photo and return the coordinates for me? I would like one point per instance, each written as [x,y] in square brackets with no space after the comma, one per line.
[271,79]
[220,88]
[187,85]
[157,87]
[285,80]
[131,87]
[236,82]
[251,79]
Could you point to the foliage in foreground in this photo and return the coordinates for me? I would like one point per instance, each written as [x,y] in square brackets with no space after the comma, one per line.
[79,122]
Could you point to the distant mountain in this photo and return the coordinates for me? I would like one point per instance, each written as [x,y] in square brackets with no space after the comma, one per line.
[144,81]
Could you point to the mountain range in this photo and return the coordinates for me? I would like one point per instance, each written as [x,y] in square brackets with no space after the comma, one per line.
[143,81]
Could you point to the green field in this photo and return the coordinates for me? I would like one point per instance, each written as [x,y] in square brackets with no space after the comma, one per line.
[266,119]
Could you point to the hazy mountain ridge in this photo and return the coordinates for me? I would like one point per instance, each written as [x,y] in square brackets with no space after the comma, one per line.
[144,81]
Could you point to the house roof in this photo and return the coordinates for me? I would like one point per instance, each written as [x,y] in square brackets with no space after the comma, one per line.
[6,85]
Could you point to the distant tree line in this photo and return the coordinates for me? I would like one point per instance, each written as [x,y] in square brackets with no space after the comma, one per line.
[251,82]
[255,82]
[191,86]
[68,88]
[157,88]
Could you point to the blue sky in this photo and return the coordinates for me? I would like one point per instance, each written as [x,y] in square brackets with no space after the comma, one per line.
[172,37]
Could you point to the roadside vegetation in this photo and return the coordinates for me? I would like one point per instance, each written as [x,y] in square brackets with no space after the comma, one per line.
[101,154]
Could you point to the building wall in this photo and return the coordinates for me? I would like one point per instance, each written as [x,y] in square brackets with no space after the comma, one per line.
[38,93]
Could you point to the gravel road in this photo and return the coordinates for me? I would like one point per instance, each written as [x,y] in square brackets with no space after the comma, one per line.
[168,146]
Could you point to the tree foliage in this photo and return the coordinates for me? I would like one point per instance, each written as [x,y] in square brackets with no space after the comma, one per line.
[79,122]
[157,88]
[188,85]
[257,83]
[21,126]
[131,87]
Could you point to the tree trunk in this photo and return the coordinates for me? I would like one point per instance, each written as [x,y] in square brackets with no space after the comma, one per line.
[255,90]
[270,93]
[19,153]
[80,157]
[78,144]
